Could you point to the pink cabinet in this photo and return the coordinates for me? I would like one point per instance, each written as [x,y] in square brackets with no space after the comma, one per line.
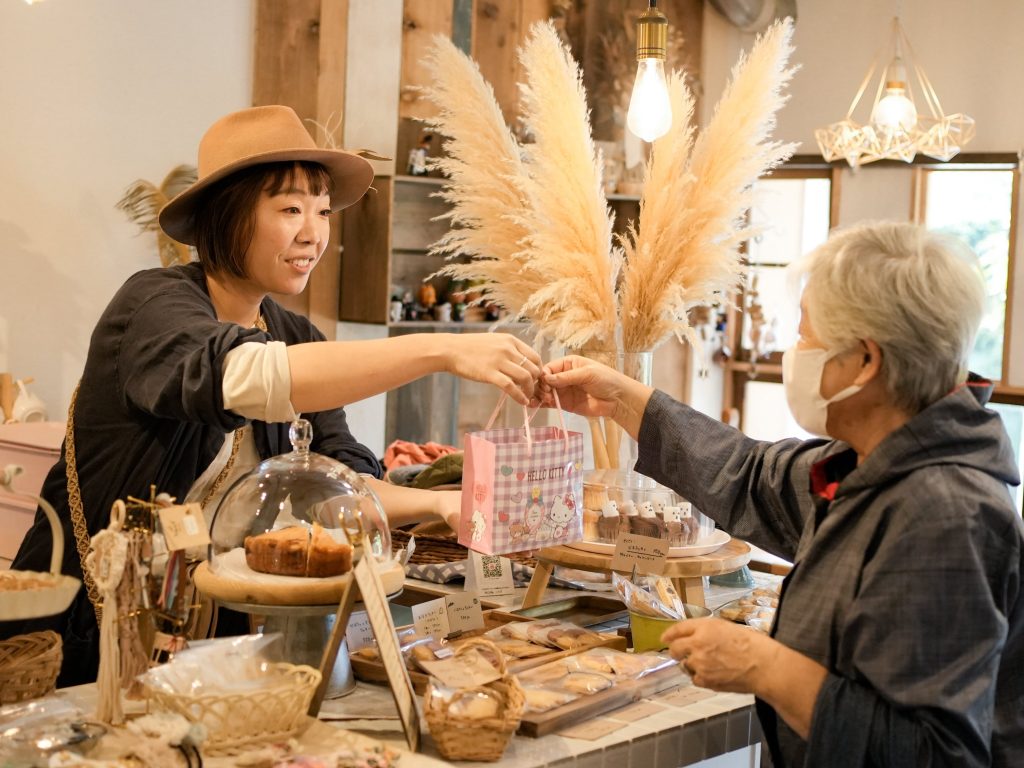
[35,447]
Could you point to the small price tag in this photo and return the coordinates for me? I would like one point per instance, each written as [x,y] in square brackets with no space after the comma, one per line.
[646,553]
[359,633]
[431,619]
[464,612]
[184,526]
[489,575]
[466,671]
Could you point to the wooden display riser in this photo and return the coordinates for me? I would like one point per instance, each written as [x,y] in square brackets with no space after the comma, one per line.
[687,573]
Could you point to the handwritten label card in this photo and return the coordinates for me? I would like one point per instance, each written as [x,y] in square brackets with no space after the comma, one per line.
[359,633]
[489,575]
[431,619]
[646,553]
[184,526]
[466,671]
[464,612]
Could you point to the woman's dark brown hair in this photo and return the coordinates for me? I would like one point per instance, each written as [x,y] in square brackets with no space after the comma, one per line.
[225,221]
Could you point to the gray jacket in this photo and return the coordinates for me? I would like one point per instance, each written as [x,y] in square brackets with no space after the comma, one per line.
[906,583]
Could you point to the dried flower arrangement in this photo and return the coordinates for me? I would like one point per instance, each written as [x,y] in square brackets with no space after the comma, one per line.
[536,225]
[142,202]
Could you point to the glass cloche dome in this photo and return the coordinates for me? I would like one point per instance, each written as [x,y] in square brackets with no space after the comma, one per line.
[290,514]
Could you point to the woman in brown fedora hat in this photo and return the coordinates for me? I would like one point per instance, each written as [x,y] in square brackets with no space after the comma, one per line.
[194,373]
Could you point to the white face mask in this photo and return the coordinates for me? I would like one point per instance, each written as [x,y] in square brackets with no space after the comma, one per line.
[801,376]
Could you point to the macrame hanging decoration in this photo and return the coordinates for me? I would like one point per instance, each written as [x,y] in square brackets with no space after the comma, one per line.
[115,561]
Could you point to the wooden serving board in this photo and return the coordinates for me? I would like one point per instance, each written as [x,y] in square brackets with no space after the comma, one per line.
[373,671]
[584,708]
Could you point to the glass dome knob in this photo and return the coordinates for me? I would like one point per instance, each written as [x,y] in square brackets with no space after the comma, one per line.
[301,435]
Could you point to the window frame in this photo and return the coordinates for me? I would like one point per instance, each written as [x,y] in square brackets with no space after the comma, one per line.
[1003,392]
[740,368]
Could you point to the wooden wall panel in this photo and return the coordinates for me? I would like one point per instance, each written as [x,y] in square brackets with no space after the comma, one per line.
[421,21]
[365,272]
[300,61]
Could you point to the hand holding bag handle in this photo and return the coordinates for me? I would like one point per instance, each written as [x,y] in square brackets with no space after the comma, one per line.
[528,417]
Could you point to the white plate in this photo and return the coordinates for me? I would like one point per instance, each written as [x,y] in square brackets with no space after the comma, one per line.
[716,540]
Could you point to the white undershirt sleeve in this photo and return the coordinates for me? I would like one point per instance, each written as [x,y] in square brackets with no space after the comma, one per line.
[258,382]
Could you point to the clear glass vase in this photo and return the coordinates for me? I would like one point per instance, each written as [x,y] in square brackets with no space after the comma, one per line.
[613,448]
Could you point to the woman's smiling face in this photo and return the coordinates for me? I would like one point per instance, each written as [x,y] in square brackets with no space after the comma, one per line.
[291,233]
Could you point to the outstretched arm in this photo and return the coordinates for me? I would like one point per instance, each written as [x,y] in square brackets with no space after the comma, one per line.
[331,374]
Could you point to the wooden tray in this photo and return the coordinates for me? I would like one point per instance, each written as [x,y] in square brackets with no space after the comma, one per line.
[584,708]
[373,671]
[584,610]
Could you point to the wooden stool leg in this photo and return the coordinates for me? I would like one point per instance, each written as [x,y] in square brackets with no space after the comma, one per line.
[539,583]
[691,589]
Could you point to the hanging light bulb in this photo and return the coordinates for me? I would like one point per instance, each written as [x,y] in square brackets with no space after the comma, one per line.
[650,111]
[895,111]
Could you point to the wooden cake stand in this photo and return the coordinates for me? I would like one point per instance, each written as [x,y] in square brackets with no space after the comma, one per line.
[686,572]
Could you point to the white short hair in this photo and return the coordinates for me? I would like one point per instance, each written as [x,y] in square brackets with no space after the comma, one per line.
[918,294]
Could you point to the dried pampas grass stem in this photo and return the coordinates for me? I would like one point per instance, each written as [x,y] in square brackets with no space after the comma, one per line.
[686,250]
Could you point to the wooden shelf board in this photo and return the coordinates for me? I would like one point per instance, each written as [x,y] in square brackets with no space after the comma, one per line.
[434,181]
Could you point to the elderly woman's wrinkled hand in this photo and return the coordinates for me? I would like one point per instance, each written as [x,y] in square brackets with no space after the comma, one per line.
[720,654]
[584,386]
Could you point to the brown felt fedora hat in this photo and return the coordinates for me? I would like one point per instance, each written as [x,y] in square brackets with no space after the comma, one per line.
[252,137]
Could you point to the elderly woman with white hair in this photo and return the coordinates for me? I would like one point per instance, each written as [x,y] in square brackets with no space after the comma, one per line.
[899,637]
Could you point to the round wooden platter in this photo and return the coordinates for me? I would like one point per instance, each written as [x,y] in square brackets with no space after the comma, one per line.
[731,556]
[298,591]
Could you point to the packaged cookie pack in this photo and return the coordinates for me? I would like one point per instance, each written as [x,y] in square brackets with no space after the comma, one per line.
[597,669]
[552,633]
[653,596]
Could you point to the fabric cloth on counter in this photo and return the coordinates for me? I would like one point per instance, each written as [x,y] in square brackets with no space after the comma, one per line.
[906,582]
[402,452]
[151,412]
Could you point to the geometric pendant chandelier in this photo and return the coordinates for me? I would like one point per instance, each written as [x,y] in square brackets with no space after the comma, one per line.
[896,130]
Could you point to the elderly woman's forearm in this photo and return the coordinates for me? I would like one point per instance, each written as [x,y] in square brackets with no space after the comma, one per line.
[629,410]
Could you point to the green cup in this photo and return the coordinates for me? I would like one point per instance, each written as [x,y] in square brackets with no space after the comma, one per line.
[647,630]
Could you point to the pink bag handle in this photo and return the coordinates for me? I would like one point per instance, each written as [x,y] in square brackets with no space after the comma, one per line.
[528,417]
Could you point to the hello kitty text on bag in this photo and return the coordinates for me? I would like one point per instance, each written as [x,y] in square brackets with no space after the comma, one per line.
[521,487]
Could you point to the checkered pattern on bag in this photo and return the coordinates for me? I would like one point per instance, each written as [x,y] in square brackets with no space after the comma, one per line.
[537,489]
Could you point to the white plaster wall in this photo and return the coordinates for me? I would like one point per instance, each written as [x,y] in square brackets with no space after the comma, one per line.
[95,94]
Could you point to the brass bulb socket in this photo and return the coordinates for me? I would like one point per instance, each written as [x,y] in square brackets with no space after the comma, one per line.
[651,35]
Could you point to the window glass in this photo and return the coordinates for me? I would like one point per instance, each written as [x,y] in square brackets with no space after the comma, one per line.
[975,205]
[791,218]
[1013,420]
[766,415]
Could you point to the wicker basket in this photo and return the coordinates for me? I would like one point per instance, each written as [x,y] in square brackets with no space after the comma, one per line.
[237,721]
[434,549]
[460,738]
[29,665]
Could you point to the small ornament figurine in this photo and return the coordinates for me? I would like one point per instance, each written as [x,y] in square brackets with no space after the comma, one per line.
[395,309]
[409,311]
[428,297]
[443,312]
[418,156]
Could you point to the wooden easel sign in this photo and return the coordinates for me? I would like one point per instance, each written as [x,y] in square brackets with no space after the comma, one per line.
[371,591]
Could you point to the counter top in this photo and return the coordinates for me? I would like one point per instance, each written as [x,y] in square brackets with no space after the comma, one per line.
[681,726]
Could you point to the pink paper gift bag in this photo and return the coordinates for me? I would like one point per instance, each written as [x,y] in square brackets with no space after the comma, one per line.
[521,488]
